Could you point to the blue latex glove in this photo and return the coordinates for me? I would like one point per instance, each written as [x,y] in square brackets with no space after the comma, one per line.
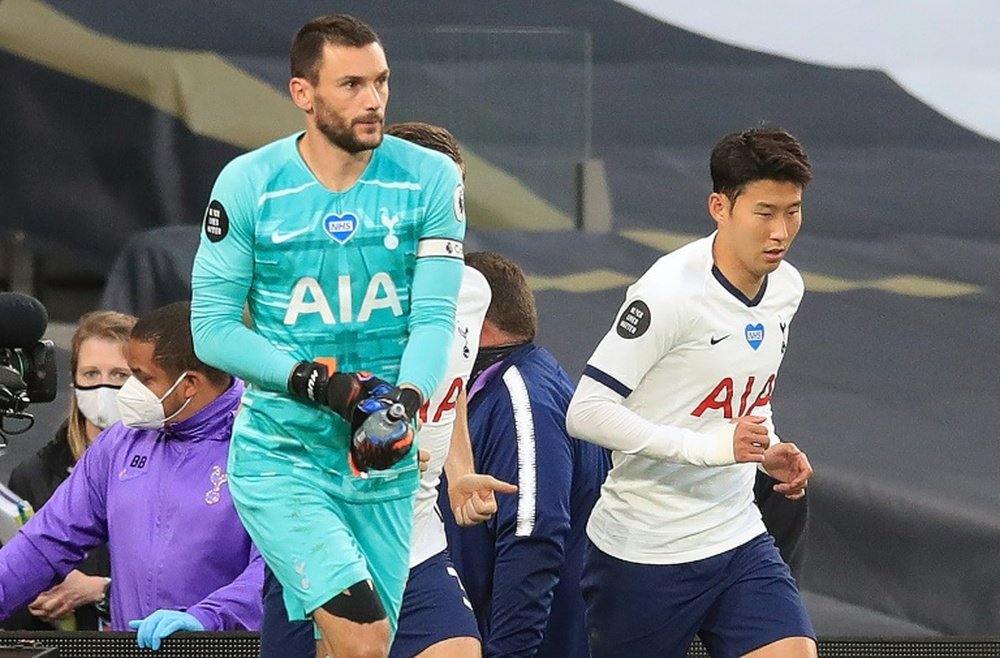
[151,630]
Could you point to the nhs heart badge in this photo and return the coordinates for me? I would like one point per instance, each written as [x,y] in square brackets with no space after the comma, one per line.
[754,334]
[340,228]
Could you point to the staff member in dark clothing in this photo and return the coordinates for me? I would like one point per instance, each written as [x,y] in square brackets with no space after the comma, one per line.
[522,568]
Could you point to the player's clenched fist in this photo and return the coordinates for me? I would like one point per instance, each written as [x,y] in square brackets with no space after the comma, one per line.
[382,428]
[750,439]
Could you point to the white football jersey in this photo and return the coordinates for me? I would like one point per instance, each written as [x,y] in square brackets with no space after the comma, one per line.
[438,414]
[687,354]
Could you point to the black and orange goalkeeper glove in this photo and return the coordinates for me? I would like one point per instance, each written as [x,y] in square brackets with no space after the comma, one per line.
[319,381]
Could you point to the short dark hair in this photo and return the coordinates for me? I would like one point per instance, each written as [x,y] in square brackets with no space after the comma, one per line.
[762,153]
[334,29]
[429,136]
[512,308]
[168,328]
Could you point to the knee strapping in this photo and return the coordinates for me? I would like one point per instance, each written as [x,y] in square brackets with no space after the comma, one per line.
[359,603]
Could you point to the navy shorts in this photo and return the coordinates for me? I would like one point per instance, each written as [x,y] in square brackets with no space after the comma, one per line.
[280,638]
[735,602]
[435,608]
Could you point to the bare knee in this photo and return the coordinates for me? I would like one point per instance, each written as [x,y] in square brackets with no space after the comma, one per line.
[368,641]
[357,641]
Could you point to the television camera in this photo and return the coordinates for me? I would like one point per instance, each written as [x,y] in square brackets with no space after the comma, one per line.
[27,363]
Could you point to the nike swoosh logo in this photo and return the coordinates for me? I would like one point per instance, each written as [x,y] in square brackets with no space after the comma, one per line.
[715,340]
[278,237]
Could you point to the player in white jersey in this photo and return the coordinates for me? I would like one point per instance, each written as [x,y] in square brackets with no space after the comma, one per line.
[680,390]
[436,620]
[437,416]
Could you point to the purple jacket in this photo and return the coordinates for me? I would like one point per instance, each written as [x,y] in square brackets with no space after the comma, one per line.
[159,499]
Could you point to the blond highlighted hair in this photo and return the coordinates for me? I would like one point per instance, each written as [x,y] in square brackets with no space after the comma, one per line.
[106,325]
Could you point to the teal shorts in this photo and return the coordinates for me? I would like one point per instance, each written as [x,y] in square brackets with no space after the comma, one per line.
[318,545]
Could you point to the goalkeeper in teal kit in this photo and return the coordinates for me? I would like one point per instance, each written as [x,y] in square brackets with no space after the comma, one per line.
[345,246]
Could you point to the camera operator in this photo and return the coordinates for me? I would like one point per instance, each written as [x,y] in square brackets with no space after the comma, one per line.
[97,369]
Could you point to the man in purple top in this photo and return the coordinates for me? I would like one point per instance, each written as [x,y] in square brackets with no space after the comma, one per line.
[155,490]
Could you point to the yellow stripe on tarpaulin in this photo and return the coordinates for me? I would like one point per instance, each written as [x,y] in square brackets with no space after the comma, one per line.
[210,96]
[215,99]
[589,281]
[664,241]
[911,285]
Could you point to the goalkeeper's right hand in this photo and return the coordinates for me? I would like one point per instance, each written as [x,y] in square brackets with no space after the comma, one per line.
[319,381]
[384,437]
[382,427]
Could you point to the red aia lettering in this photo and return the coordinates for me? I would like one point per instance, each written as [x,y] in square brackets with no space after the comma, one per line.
[764,397]
[712,402]
[721,397]
[447,404]
[450,399]
[746,394]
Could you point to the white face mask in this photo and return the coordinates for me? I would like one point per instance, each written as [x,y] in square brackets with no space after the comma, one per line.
[99,404]
[141,409]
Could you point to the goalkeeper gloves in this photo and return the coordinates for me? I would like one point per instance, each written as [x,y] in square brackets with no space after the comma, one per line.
[382,428]
[319,381]
[356,397]
[405,401]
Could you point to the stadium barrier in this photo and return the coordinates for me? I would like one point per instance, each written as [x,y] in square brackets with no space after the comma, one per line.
[93,644]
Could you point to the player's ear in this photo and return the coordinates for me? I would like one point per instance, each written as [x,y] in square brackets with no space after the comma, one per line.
[301,92]
[193,382]
[718,207]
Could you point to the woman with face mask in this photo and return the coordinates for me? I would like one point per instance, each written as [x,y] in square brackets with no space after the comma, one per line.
[98,370]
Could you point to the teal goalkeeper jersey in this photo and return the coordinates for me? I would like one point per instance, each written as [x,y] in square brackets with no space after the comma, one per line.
[368,276]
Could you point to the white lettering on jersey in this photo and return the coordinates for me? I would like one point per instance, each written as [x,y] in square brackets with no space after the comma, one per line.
[308,297]
[373,302]
[299,305]
[345,296]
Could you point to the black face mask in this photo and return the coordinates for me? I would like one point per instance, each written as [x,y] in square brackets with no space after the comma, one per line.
[489,355]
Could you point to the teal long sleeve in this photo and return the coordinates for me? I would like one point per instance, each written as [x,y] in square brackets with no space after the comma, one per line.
[436,282]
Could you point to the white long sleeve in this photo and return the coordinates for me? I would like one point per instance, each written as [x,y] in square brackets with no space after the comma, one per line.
[597,414]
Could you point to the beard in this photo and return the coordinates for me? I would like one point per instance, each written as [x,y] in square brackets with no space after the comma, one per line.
[340,132]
